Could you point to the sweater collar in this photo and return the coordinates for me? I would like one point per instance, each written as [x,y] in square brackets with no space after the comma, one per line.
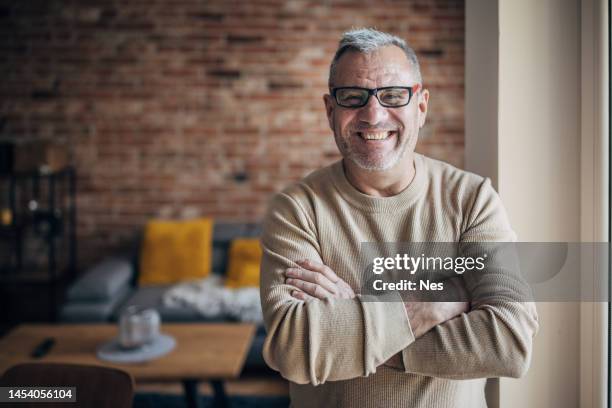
[380,204]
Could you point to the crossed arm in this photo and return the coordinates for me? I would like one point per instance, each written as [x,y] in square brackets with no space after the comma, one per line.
[319,330]
[327,333]
[315,281]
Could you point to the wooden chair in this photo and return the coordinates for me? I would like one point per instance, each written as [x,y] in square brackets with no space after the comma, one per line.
[96,386]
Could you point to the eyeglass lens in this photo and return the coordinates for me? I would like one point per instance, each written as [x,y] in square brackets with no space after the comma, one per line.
[356,97]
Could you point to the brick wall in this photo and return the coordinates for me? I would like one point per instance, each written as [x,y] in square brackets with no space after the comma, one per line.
[179,108]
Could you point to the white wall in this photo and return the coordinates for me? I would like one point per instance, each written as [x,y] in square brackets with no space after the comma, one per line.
[536,160]
[595,206]
[539,117]
[539,173]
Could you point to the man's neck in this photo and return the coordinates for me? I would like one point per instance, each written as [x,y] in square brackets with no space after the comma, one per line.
[385,183]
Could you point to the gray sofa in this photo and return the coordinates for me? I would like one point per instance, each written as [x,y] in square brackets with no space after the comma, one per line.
[107,288]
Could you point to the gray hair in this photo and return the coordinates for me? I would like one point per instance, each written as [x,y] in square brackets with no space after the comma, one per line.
[366,40]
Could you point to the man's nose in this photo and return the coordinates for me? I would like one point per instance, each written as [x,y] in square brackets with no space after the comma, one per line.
[373,112]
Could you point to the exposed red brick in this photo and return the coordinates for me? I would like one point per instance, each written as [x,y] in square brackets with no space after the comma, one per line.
[191,108]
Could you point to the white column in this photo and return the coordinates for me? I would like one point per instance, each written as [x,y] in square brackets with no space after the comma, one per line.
[525,129]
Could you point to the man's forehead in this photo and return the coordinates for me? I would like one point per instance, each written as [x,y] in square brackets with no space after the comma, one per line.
[388,62]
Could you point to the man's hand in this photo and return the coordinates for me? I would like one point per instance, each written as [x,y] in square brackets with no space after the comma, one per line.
[424,316]
[315,280]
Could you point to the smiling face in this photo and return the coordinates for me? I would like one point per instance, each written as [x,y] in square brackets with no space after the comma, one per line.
[373,137]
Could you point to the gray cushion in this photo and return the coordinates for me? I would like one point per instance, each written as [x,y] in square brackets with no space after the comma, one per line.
[100,311]
[152,296]
[103,281]
[219,258]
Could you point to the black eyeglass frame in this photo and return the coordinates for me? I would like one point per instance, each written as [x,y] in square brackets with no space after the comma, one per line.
[373,91]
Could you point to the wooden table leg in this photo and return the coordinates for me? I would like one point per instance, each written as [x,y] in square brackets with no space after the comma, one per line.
[220,398]
[192,396]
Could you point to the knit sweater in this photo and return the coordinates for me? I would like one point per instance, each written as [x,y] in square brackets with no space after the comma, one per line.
[336,352]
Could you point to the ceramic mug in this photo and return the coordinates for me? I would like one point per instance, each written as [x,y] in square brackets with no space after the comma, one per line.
[138,326]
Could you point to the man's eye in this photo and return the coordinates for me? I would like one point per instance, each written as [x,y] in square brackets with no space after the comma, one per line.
[351,98]
[393,97]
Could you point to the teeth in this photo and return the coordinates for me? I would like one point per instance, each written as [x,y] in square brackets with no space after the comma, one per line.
[375,136]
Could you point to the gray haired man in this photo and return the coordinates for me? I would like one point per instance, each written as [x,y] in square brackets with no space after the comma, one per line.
[337,348]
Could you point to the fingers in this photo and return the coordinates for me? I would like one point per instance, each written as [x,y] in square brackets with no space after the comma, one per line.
[317,280]
[346,291]
[450,310]
[312,277]
[423,316]
[464,307]
[319,267]
[310,291]
[309,288]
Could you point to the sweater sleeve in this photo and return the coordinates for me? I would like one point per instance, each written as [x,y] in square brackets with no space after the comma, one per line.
[318,341]
[495,338]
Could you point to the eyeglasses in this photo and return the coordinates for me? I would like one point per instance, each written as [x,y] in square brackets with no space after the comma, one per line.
[388,96]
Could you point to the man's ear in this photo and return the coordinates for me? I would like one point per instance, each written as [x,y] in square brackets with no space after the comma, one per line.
[330,105]
[423,104]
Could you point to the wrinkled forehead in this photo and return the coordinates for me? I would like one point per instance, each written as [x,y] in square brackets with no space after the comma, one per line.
[385,66]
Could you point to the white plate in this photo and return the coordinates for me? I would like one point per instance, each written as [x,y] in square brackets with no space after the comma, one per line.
[114,353]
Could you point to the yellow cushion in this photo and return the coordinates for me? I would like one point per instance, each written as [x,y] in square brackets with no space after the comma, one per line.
[175,251]
[243,264]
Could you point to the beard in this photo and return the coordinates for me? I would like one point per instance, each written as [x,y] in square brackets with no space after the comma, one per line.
[372,160]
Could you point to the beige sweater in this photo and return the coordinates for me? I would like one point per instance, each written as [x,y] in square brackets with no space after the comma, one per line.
[334,352]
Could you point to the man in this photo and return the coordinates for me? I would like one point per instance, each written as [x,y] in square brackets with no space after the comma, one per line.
[337,349]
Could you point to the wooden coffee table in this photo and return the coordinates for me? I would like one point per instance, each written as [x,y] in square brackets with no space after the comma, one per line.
[204,352]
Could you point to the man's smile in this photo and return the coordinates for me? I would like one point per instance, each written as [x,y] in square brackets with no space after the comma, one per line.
[376,135]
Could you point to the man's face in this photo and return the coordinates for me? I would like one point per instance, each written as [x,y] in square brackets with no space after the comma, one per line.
[373,137]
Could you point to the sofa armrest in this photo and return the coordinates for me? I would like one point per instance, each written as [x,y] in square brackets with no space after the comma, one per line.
[103,281]
[93,312]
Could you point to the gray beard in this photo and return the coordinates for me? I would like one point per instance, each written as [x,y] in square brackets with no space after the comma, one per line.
[364,163]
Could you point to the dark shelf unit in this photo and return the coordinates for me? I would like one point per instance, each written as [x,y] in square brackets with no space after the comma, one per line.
[43,210]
